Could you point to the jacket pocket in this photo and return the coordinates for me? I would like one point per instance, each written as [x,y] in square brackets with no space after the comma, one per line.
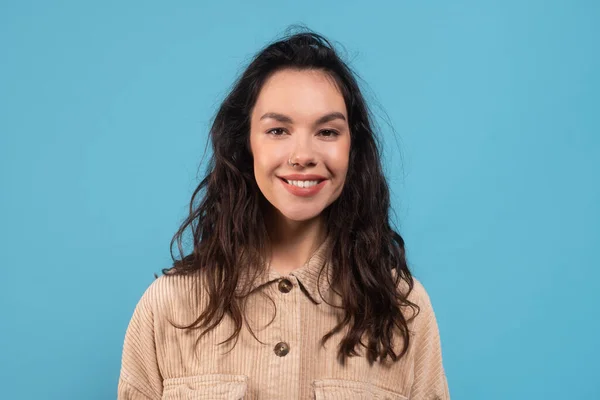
[205,387]
[338,389]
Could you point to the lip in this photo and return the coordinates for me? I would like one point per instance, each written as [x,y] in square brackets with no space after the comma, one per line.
[303,192]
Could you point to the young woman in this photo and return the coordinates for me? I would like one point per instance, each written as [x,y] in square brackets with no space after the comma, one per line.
[297,286]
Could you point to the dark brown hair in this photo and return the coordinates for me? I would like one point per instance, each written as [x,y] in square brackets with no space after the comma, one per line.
[229,235]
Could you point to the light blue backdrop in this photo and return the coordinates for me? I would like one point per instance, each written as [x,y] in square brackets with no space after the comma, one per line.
[104,111]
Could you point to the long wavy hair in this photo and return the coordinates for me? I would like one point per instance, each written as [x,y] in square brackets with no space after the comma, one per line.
[227,213]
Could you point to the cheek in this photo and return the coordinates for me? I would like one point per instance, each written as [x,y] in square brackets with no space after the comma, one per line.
[264,165]
[339,159]
[257,155]
[261,163]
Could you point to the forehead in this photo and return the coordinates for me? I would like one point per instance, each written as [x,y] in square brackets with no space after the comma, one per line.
[303,92]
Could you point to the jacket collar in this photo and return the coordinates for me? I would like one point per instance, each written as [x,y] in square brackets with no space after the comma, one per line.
[314,282]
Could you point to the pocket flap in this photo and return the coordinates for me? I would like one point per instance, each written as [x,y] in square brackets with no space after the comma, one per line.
[337,389]
[205,387]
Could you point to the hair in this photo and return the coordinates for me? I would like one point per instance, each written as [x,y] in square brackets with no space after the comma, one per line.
[228,227]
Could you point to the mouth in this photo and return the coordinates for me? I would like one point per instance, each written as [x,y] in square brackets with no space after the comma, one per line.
[302,183]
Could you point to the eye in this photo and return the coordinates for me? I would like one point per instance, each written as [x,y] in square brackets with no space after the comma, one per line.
[276,131]
[329,133]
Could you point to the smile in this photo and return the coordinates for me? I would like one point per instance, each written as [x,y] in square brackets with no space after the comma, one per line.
[302,184]
[303,188]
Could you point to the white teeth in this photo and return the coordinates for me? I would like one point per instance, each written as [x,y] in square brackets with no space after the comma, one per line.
[303,184]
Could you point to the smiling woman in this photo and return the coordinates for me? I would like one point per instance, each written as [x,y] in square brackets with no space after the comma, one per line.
[300,144]
[297,286]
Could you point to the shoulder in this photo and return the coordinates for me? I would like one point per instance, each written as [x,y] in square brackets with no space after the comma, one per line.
[418,296]
[169,295]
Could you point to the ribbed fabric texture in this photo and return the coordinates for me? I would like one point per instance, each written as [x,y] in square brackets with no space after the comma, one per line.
[161,361]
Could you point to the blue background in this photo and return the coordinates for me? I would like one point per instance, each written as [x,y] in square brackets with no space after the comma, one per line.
[494,163]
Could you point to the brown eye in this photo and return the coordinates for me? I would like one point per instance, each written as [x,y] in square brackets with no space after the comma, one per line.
[276,131]
[329,133]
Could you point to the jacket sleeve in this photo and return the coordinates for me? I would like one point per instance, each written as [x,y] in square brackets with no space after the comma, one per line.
[140,378]
[429,376]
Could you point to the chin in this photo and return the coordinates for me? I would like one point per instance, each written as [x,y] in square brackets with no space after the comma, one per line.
[300,215]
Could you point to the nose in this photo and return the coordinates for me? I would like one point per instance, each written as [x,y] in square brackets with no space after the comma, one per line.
[303,153]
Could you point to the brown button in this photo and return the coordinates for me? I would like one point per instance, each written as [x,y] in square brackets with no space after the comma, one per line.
[281,349]
[285,286]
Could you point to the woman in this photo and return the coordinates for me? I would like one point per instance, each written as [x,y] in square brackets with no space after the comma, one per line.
[297,287]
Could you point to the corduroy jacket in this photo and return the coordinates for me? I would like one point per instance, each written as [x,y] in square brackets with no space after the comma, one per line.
[160,361]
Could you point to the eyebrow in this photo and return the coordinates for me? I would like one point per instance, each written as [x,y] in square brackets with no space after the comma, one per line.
[287,120]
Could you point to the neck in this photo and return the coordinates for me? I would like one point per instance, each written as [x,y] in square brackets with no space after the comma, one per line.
[292,242]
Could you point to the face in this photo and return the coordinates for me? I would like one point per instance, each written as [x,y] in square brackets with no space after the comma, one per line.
[300,115]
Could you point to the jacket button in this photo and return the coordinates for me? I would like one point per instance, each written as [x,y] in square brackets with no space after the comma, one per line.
[285,286]
[281,349]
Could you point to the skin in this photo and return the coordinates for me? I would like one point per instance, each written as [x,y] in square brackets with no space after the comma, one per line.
[295,224]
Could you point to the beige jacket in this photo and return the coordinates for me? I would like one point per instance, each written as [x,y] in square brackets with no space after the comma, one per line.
[162,362]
